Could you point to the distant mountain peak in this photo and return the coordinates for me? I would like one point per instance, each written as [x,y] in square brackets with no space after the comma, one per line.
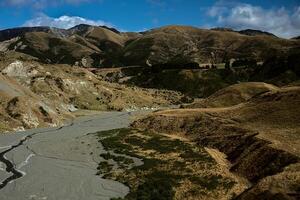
[249,32]
[222,29]
[83,27]
[8,34]
[111,29]
[252,32]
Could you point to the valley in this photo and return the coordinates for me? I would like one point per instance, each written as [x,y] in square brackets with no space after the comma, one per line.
[175,112]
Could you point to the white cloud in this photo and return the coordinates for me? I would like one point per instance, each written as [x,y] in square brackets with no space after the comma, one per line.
[279,21]
[63,21]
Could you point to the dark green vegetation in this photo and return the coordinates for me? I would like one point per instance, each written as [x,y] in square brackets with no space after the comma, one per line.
[171,168]
[203,82]
[194,83]
[104,167]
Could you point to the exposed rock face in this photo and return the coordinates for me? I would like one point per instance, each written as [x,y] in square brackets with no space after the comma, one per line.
[36,95]
[17,69]
[20,108]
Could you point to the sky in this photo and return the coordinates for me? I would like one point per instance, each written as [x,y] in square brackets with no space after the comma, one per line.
[280,17]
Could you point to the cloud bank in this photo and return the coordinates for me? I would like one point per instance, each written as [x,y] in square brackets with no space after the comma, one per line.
[64,21]
[281,22]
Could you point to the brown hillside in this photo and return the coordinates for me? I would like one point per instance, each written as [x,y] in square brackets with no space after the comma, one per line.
[261,138]
[233,95]
[173,46]
[98,34]
[47,94]
[52,49]
[182,44]
[82,41]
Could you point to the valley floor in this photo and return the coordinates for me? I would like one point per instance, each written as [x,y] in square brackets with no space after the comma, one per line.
[72,162]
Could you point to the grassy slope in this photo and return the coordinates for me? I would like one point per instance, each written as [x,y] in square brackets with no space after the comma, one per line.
[233,95]
[260,137]
[171,169]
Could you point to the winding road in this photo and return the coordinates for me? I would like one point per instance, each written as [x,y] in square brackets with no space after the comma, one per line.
[59,163]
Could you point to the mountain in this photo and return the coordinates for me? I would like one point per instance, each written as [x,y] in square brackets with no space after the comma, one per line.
[252,32]
[18,32]
[53,49]
[165,47]
[223,29]
[82,45]
[249,32]
[180,45]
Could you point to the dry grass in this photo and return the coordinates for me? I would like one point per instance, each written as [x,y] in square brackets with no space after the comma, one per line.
[60,88]
[233,95]
[261,137]
[172,168]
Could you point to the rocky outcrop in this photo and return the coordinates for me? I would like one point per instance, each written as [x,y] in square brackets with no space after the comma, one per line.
[37,95]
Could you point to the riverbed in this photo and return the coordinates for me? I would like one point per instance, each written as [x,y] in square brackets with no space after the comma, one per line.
[60,162]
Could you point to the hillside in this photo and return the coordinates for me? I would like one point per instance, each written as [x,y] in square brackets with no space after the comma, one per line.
[170,46]
[34,94]
[179,45]
[204,81]
[252,32]
[18,32]
[233,95]
[52,49]
[260,137]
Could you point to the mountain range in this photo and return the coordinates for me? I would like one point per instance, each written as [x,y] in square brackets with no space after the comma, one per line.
[101,46]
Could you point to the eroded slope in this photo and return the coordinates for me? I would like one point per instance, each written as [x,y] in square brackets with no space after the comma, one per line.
[53,92]
[260,138]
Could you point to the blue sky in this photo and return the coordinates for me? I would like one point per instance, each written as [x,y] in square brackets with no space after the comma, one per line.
[281,17]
